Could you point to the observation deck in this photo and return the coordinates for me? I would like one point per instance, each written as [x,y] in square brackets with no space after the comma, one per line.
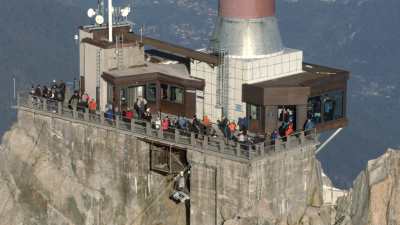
[174,138]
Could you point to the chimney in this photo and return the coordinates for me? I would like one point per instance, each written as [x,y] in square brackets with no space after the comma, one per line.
[247,28]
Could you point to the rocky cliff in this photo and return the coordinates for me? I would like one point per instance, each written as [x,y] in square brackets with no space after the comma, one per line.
[375,196]
[60,171]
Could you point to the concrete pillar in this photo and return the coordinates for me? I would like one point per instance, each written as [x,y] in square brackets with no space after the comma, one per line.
[271,118]
[301,116]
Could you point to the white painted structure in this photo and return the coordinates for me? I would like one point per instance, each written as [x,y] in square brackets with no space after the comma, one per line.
[237,71]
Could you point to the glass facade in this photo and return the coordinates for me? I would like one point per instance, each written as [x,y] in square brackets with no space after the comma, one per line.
[176,95]
[327,107]
[151,92]
[172,93]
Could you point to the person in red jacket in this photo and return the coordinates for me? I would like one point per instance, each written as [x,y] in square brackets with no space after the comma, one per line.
[165,124]
[289,131]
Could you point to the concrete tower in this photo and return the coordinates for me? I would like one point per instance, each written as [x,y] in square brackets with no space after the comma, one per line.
[247,28]
[248,41]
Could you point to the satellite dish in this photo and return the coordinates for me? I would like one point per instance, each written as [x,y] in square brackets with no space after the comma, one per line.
[91,13]
[99,19]
[125,11]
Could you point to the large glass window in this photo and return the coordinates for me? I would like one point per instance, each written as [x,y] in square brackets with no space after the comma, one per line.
[172,93]
[314,109]
[151,92]
[333,105]
[327,107]
[176,94]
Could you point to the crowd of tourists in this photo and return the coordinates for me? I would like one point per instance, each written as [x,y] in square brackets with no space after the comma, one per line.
[230,130]
[54,91]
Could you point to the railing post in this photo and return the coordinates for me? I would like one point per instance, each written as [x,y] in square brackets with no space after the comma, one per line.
[117,117]
[205,142]
[101,118]
[132,125]
[86,115]
[192,139]
[59,109]
[148,128]
[221,145]
[74,113]
[302,137]
[250,150]
[262,148]
[44,104]
[177,135]
[237,149]
[278,143]
[160,133]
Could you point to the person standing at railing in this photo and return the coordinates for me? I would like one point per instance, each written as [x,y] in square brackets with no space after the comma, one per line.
[165,124]
[73,101]
[45,92]
[308,126]
[147,115]
[109,115]
[274,136]
[289,130]
[231,130]
[38,91]
[92,106]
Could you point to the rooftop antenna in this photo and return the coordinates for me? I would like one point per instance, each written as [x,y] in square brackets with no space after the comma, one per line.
[110,21]
[99,19]
[100,7]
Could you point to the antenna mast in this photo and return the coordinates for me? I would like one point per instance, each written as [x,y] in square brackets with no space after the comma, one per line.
[100,7]
[110,21]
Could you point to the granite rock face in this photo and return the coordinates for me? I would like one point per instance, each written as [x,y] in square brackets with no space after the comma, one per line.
[57,172]
[54,171]
[375,196]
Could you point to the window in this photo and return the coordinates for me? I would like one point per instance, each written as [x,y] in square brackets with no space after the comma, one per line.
[172,93]
[151,92]
[164,92]
[327,107]
[314,109]
[176,95]
[254,112]
[333,105]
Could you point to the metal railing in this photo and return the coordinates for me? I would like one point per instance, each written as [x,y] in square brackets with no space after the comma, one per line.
[243,150]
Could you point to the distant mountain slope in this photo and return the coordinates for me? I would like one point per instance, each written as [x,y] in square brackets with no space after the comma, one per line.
[358,35]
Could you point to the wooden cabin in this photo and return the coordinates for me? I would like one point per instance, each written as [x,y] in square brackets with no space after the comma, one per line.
[168,88]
